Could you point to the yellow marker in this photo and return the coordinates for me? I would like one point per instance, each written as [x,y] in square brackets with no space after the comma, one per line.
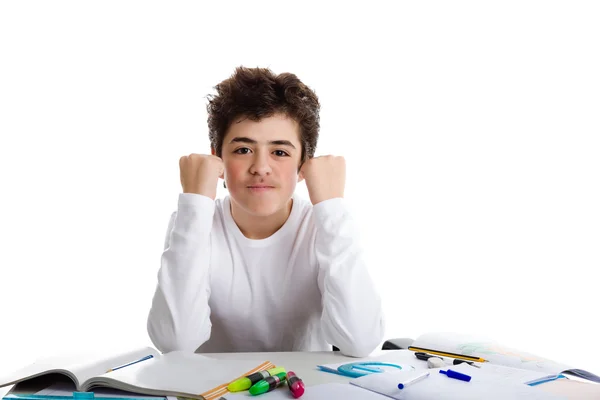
[246,382]
[444,354]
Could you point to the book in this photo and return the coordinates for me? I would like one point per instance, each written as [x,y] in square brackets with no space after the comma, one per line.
[65,391]
[144,371]
[477,348]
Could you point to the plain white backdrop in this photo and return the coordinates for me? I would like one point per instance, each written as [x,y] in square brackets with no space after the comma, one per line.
[471,132]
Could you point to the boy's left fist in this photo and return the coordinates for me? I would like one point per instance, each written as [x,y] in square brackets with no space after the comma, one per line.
[325,177]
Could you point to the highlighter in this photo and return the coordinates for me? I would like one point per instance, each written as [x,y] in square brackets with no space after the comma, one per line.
[246,382]
[267,384]
[295,384]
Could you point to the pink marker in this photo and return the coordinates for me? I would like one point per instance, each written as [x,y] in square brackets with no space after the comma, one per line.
[295,384]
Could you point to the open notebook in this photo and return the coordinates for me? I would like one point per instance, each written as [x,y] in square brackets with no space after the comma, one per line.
[453,344]
[170,374]
[484,384]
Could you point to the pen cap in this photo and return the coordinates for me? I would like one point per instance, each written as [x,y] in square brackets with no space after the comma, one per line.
[241,384]
[456,375]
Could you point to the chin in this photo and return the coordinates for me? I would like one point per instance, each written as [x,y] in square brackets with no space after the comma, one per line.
[261,206]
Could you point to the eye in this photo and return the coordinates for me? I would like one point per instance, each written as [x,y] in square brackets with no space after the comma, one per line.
[281,153]
[242,150]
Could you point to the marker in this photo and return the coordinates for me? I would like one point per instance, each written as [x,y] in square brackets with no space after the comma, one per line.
[404,384]
[425,356]
[267,384]
[471,363]
[456,375]
[246,382]
[433,364]
[131,363]
[295,384]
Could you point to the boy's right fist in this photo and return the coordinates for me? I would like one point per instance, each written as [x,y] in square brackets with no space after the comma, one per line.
[200,174]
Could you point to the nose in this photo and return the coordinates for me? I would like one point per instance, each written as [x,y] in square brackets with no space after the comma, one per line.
[260,164]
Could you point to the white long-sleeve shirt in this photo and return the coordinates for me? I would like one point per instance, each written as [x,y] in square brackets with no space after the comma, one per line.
[304,288]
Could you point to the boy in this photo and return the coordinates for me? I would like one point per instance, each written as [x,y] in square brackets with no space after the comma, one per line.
[263,269]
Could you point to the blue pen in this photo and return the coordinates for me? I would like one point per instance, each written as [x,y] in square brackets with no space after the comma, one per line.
[416,379]
[131,363]
[456,375]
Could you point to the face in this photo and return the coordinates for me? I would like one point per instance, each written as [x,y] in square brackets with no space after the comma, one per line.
[261,163]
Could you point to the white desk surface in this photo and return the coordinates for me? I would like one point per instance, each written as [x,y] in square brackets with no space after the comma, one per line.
[304,364]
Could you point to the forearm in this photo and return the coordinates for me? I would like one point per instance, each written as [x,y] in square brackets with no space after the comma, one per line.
[352,316]
[179,318]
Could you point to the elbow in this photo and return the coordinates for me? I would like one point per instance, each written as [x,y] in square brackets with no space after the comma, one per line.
[358,341]
[366,343]
[357,352]
[167,336]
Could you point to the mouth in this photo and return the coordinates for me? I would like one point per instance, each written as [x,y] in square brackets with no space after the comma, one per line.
[260,188]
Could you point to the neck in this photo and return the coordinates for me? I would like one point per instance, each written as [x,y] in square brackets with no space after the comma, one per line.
[257,227]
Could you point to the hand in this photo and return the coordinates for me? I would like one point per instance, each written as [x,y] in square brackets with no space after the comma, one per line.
[325,177]
[200,173]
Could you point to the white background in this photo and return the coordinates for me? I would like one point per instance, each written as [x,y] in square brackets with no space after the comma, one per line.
[471,133]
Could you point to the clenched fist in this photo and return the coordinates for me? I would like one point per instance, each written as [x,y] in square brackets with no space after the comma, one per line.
[200,174]
[325,177]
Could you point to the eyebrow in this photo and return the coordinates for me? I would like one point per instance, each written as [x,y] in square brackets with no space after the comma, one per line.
[242,139]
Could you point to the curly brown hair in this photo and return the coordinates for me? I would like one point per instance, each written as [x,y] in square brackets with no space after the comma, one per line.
[258,93]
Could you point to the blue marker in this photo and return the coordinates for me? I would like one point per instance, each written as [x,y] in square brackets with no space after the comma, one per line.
[456,375]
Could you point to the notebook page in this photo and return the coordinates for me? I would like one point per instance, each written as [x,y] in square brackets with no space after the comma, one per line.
[488,349]
[177,372]
[79,365]
[484,385]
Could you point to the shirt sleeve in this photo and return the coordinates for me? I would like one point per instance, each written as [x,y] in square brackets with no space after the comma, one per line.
[352,316]
[179,318]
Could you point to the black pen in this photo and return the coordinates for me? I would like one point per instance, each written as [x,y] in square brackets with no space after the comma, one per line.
[425,356]
[455,361]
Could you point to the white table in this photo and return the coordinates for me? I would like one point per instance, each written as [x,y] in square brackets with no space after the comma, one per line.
[304,364]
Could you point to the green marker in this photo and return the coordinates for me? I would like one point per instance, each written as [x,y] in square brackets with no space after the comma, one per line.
[246,382]
[267,384]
